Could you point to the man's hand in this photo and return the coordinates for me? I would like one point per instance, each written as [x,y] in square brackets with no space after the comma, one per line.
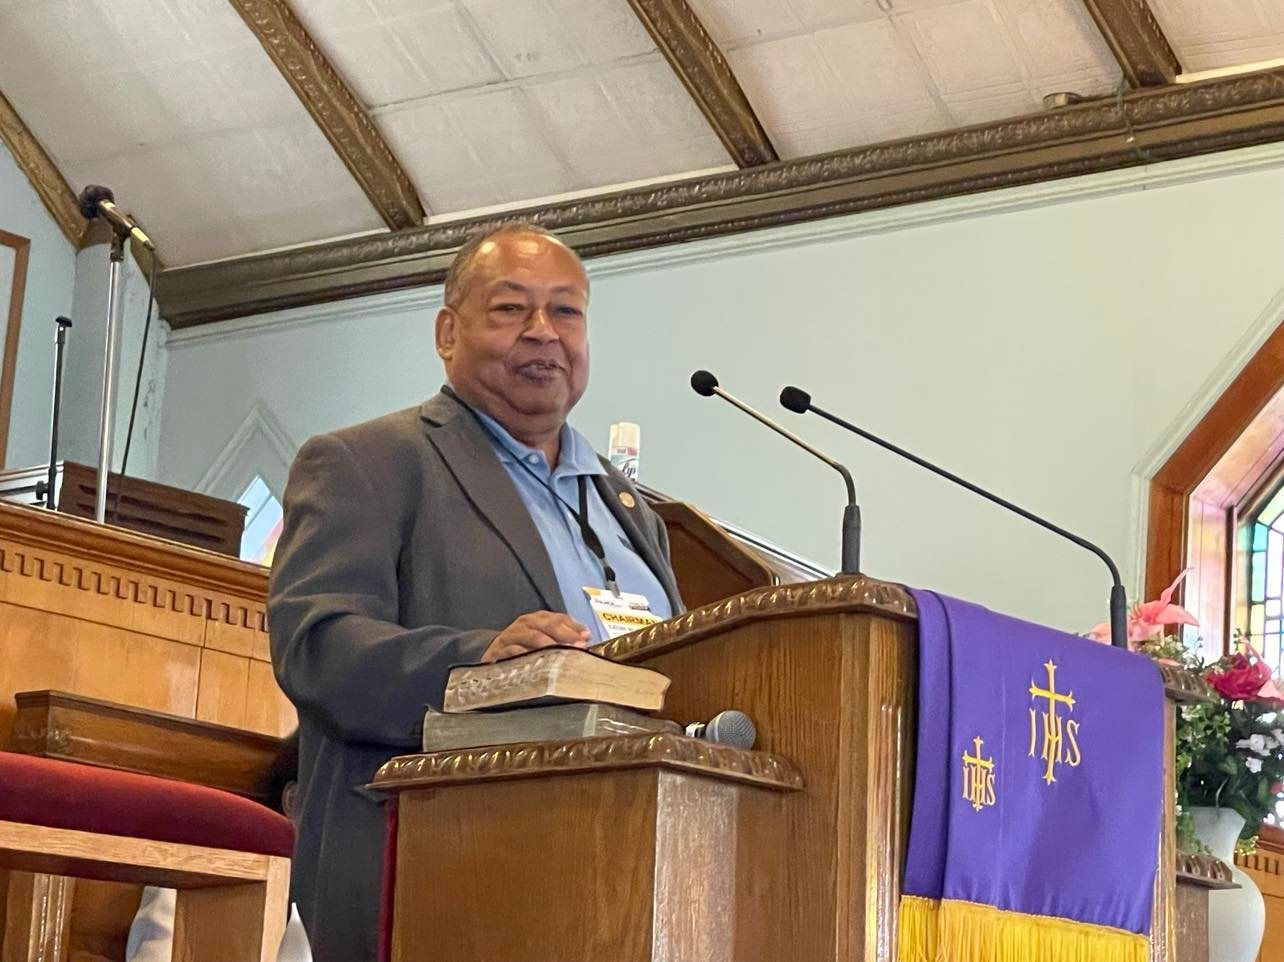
[539,629]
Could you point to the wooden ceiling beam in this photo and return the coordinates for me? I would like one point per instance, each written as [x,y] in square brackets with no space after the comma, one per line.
[50,185]
[704,71]
[336,109]
[1137,41]
[1143,126]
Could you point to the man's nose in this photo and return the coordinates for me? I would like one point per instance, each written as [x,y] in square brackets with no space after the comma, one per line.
[540,327]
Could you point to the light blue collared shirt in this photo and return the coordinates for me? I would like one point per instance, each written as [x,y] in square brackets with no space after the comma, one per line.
[575,566]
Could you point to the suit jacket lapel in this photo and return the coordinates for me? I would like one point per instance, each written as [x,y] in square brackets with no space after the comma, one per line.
[469,456]
[610,488]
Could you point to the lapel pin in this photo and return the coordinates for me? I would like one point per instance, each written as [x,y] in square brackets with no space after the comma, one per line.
[628,500]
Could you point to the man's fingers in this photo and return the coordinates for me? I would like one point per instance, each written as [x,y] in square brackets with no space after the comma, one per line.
[563,628]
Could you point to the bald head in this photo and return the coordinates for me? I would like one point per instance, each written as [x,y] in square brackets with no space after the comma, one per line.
[459,275]
[513,333]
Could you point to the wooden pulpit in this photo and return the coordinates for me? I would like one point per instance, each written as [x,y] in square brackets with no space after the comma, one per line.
[562,833]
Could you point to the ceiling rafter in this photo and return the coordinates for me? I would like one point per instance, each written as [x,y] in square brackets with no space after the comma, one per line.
[336,109]
[50,185]
[1143,126]
[704,71]
[1137,41]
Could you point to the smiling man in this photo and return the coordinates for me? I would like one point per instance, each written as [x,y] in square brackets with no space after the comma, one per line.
[473,527]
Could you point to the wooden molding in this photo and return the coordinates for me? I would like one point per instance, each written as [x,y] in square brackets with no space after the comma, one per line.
[846,593]
[1184,686]
[535,759]
[336,109]
[1254,393]
[704,71]
[1143,126]
[82,569]
[58,197]
[73,728]
[21,247]
[1199,868]
[63,851]
[1137,41]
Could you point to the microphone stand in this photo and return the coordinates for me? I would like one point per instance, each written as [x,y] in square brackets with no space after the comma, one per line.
[109,369]
[1118,597]
[45,489]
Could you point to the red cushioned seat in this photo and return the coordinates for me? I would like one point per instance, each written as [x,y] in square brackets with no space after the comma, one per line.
[42,791]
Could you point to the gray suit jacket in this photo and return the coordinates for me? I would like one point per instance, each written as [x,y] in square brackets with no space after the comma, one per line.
[406,549]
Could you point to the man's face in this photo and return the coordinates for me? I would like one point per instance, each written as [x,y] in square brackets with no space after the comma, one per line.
[517,342]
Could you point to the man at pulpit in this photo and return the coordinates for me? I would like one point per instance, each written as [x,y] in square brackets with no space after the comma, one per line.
[473,527]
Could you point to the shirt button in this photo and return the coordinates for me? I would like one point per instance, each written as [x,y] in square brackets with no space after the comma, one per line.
[532,459]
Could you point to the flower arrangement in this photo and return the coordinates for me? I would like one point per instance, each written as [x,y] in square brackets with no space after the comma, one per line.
[1230,751]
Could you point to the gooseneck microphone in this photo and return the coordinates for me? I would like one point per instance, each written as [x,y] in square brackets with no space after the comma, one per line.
[96,201]
[799,401]
[706,385]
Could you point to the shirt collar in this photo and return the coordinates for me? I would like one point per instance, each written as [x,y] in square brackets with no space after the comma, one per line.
[575,458]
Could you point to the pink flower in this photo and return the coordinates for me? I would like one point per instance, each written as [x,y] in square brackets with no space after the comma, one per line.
[1246,678]
[1147,620]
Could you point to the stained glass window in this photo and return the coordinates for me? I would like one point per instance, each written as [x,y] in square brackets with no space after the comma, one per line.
[1264,532]
[262,523]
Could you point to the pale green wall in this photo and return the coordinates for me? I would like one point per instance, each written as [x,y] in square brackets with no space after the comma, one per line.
[50,280]
[1052,342]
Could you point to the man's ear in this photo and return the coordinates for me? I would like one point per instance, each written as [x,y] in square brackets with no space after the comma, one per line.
[447,332]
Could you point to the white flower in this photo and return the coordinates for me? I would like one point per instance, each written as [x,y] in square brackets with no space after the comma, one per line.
[1278,735]
[1254,765]
[1256,743]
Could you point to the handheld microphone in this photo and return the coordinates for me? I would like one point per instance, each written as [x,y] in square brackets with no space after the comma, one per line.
[98,201]
[706,385]
[799,401]
[730,727]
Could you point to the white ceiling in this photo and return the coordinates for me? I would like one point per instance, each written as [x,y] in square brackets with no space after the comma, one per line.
[493,101]
[176,107]
[497,103]
[828,74]
[1207,34]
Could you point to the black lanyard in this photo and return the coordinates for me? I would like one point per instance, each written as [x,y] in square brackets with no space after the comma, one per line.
[587,534]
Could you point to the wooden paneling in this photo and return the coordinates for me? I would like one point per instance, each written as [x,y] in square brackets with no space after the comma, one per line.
[677,846]
[835,696]
[149,624]
[1266,868]
[709,565]
[43,650]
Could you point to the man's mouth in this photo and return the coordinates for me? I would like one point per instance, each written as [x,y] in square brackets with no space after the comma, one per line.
[539,370]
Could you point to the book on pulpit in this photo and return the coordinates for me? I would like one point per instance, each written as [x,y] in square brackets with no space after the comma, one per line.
[548,723]
[551,676]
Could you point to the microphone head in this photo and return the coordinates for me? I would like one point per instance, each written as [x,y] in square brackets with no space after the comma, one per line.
[795,399]
[733,728]
[703,383]
[90,197]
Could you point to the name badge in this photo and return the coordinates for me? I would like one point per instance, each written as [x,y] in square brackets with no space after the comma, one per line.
[618,614]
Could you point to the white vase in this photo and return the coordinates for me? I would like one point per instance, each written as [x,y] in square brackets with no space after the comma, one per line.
[1236,917]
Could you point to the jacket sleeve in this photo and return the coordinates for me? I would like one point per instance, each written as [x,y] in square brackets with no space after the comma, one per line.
[338,650]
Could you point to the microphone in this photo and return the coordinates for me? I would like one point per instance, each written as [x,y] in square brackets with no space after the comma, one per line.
[98,201]
[706,385]
[730,727]
[799,401]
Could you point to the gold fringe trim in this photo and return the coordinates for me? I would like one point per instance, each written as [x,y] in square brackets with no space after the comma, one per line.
[952,931]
